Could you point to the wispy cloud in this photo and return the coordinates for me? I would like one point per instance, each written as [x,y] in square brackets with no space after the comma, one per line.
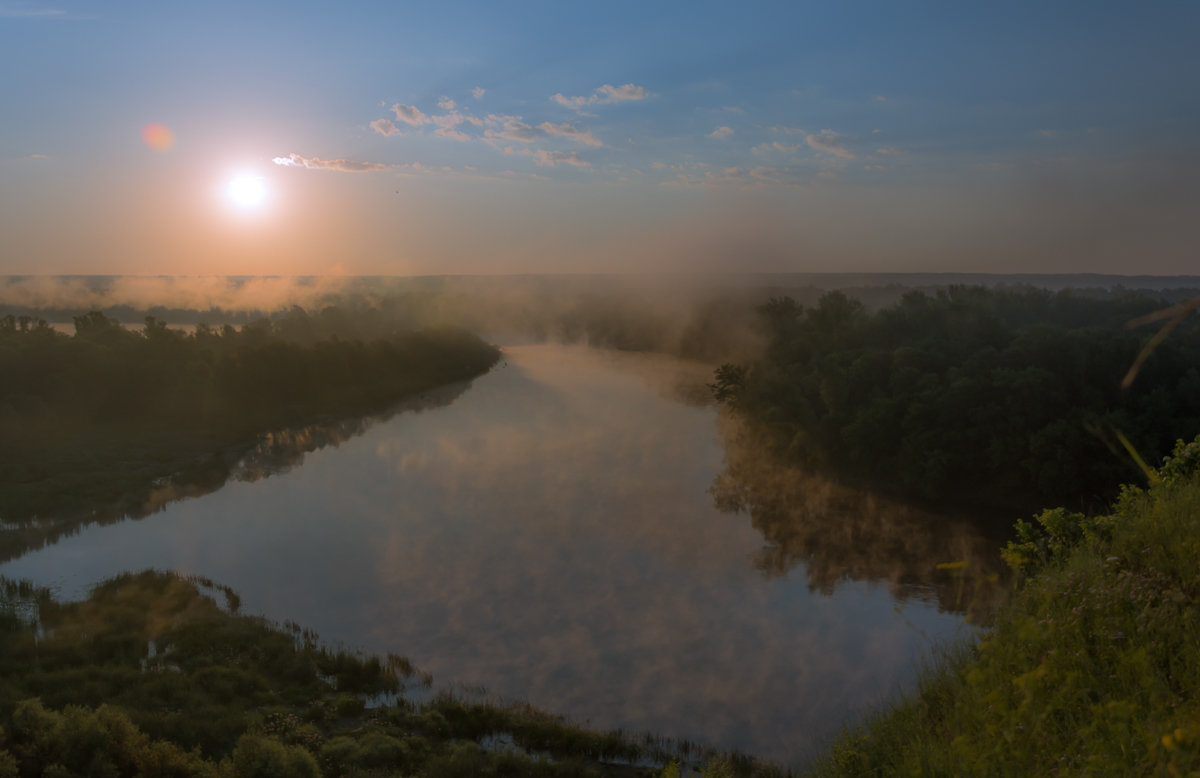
[571,132]
[710,179]
[385,127]
[616,94]
[733,109]
[774,146]
[448,123]
[410,114]
[545,158]
[720,133]
[830,142]
[342,165]
[499,130]
[453,134]
[38,156]
[478,92]
[890,151]
[552,158]
[42,14]
[512,128]
[603,95]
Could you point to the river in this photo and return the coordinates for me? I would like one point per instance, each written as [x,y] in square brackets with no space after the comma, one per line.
[571,529]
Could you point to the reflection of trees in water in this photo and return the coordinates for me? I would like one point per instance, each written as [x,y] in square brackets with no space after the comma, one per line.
[274,453]
[842,534]
[279,451]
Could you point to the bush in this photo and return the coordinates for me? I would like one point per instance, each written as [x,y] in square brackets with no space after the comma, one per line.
[256,756]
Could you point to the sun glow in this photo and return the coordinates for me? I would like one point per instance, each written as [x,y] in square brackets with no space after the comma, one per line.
[247,192]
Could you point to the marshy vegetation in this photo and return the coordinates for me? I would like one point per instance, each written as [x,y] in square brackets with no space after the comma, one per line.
[151,676]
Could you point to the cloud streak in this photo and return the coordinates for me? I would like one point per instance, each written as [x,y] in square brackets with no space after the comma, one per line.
[515,129]
[603,95]
[767,148]
[544,158]
[571,132]
[42,14]
[341,165]
[830,142]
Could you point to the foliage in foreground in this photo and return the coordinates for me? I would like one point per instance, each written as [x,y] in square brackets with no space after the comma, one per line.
[1093,669]
[150,677]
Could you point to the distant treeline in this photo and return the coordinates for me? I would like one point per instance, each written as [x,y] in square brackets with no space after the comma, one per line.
[1003,399]
[86,418]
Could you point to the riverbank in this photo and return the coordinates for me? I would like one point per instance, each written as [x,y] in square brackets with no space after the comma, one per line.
[155,674]
[96,424]
[1092,669]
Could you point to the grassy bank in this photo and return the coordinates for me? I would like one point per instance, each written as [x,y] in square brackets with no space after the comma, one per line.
[152,675]
[1092,669]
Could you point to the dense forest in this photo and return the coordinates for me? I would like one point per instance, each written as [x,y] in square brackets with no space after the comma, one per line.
[96,418]
[1001,399]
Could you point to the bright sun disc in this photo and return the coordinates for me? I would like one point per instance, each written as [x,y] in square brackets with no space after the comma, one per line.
[247,192]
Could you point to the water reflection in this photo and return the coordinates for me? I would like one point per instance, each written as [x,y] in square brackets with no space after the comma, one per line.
[549,535]
[274,453]
[836,534]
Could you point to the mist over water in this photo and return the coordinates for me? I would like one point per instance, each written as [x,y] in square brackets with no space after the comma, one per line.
[550,535]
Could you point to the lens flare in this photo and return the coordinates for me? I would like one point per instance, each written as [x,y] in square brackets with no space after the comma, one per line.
[158,137]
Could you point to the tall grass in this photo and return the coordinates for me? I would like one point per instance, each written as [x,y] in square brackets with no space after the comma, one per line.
[1092,669]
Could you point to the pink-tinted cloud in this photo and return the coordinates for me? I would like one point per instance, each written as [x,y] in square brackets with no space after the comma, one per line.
[776,146]
[511,129]
[544,158]
[571,132]
[830,142]
[603,95]
[342,165]
[410,114]
[385,127]
[552,158]
[720,133]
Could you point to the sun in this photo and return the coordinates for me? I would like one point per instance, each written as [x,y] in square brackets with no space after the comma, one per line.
[246,192]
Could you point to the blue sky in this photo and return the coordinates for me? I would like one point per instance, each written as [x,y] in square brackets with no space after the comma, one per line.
[485,137]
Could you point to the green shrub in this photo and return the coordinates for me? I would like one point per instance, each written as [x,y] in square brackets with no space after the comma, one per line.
[257,756]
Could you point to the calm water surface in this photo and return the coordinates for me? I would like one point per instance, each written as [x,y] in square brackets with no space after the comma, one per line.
[552,534]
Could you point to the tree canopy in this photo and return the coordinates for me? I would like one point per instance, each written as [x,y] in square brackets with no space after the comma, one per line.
[1003,399]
